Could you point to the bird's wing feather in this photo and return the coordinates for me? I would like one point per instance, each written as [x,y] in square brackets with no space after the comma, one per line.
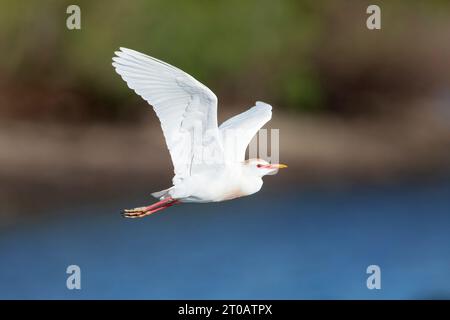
[186,108]
[237,132]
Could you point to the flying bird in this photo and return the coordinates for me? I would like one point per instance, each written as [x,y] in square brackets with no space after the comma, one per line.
[209,161]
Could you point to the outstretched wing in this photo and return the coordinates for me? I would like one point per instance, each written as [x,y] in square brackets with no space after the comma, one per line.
[237,132]
[186,108]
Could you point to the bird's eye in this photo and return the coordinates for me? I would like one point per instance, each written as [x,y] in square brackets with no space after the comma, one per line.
[259,165]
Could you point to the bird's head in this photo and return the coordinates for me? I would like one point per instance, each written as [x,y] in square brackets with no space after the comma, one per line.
[261,167]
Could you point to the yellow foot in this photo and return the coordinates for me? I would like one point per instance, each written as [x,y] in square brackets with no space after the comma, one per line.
[134,213]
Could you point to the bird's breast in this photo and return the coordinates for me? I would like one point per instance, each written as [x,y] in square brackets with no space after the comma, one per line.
[233,194]
[220,186]
[241,187]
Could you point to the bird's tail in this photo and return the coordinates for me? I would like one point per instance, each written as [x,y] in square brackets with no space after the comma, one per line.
[161,194]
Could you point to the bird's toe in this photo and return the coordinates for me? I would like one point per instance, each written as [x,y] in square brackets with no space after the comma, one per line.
[135,210]
[134,213]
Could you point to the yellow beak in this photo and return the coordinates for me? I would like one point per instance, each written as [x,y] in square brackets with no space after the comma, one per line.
[278,165]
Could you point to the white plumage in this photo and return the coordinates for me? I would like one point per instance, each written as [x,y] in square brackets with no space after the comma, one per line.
[208,160]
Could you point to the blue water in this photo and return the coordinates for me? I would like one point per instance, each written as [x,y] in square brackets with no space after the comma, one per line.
[309,244]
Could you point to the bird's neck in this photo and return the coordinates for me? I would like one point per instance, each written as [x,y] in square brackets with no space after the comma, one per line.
[250,182]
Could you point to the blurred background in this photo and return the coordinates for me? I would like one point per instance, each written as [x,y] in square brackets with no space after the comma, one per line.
[364,119]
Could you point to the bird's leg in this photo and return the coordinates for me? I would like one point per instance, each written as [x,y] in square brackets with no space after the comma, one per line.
[141,210]
[150,207]
[149,212]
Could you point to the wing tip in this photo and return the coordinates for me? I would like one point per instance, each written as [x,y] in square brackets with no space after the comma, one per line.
[264,105]
[125,52]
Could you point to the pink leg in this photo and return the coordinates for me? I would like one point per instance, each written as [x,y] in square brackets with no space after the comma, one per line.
[159,203]
[144,211]
[149,212]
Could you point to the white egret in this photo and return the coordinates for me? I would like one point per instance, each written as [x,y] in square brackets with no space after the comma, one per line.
[209,161]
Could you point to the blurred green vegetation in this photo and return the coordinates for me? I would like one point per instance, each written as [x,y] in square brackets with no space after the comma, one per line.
[243,50]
